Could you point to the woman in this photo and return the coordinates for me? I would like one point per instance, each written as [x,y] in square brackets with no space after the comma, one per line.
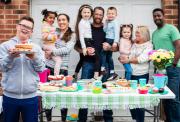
[139,61]
[64,45]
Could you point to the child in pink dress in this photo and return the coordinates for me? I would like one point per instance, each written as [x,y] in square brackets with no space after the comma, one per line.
[49,36]
[125,47]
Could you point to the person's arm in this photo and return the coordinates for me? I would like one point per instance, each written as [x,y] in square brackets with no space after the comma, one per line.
[6,57]
[108,47]
[177,52]
[175,36]
[38,59]
[65,50]
[116,31]
[81,33]
[144,57]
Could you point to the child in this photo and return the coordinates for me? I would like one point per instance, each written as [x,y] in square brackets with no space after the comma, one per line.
[49,36]
[111,29]
[84,34]
[125,46]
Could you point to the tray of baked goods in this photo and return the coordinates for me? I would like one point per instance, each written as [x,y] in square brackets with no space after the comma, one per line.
[118,86]
[24,48]
[49,87]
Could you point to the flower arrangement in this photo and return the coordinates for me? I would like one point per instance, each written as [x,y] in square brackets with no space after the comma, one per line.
[161,58]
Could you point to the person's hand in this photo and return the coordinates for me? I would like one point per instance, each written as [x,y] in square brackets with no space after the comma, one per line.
[84,51]
[31,56]
[106,46]
[13,53]
[90,51]
[48,54]
[123,59]
[114,47]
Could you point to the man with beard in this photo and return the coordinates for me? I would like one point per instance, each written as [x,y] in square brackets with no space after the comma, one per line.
[98,36]
[167,37]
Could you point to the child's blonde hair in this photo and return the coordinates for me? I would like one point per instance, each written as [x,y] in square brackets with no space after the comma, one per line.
[144,31]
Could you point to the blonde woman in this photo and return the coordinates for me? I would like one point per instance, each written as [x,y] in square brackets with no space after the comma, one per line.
[139,61]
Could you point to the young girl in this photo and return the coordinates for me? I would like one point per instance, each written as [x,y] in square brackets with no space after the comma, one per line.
[125,46]
[83,31]
[49,36]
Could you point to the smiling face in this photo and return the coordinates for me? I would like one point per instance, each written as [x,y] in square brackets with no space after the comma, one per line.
[86,13]
[111,14]
[98,16]
[126,32]
[50,18]
[24,30]
[63,23]
[158,18]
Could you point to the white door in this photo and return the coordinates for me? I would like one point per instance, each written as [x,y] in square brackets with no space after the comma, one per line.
[137,12]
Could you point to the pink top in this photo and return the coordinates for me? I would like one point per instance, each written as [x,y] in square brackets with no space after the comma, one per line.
[125,46]
[48,32]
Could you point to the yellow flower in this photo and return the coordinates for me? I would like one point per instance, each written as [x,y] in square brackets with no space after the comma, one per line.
[158,60]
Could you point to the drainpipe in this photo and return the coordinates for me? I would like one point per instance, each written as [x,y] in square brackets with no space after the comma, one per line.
[179,14]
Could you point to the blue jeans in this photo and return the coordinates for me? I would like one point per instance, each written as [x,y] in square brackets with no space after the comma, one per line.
[128,71]
[13,107]
[107,57]
[138,113]
[88,73]
[172,106]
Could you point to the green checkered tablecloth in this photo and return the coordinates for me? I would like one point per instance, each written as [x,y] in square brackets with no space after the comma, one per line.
[97,101]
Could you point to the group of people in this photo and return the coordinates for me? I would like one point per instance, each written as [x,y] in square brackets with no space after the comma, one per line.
[95,43]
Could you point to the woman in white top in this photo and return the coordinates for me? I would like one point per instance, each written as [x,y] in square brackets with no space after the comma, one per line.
[139,61]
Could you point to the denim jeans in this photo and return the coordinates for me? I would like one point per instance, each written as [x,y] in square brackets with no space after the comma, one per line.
[138,113]
[172,106]
[128,71]
[88,73]
[107,57]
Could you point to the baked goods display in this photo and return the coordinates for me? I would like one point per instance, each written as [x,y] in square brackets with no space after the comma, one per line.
[23,47]
[123,82]
[68,89]
[57,77]
[49,88]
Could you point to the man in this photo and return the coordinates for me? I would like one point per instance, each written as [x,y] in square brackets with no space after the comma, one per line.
[167,37]
[19,75]
[98,36]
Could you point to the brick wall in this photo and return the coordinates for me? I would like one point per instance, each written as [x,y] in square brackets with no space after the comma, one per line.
[9,16]
[171,11]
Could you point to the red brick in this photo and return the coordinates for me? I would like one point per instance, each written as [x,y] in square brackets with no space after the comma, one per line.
[26,7]
[12,6]
[171,16]
[8,11]
[6,31]
[1,6]
[10,26]
[169,21]
[2,26]
[2,36]
[9,36]
[15,21]
[11,16]
[168,11]
[9,21]
[19,11]
[2,16]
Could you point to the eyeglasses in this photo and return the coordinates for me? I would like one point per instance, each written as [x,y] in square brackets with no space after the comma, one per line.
[26,27]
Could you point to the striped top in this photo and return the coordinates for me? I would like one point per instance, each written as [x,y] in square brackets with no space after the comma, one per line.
[63,49]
